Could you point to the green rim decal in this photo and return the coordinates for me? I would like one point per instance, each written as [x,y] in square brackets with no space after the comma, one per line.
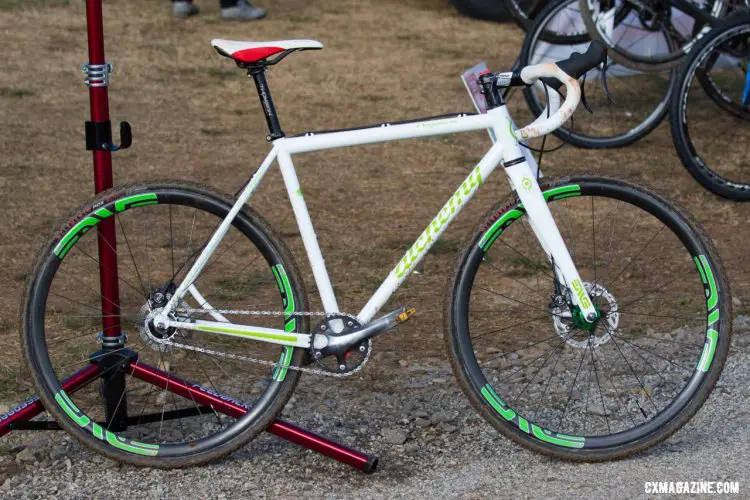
[508,217]
[279,373]
[712,301]
[131,446]
[83,226]
[71,409]
[542,434]
[85,422]
[290,321]
[243,333]
[708,350]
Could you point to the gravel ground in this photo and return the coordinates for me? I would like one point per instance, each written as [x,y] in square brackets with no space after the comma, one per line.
[429,441]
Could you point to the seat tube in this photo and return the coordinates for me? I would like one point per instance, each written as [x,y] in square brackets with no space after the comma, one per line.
[306,230]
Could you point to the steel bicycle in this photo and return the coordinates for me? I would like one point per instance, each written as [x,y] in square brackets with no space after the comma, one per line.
[587,317]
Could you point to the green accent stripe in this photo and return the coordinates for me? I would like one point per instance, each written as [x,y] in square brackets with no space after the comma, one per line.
[497,228]
[242,333]
[709,348]
[131,446]
[290,321]
[713,297]
[569,190]
[713,317]
[569,195]
[74,234]
[546,436]
[103,213]
[523,424]
[700,270]
[125,203]
[542,434]
[98,431]
[72,410]
[497,403]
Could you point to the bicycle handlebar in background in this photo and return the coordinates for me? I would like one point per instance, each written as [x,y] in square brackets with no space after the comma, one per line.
[579,64]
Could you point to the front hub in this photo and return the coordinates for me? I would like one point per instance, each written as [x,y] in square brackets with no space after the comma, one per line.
[571,325]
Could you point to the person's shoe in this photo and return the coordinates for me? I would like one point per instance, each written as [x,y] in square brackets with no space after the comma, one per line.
[243,11]
[184,9]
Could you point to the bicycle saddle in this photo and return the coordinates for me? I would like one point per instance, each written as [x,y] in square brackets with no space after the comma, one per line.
[252,52]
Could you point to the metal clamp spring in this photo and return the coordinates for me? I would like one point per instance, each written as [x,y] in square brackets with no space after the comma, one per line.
[97,75]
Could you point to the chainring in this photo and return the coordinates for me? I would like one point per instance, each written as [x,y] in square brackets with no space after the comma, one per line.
[347,362]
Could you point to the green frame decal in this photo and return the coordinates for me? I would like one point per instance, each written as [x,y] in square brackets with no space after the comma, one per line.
[83,226]
[136,447]
[507,218]
[712,305]
[538,432]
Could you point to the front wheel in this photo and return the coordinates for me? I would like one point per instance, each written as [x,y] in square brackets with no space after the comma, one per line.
[158,230]
[549,380]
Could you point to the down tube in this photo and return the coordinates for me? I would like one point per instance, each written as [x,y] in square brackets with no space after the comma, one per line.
[432,233]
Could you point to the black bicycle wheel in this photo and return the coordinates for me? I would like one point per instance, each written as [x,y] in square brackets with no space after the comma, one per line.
[710,125]
[653,36]
[567,31]
[542,375]
[160,229]
[490,10]
[639,100]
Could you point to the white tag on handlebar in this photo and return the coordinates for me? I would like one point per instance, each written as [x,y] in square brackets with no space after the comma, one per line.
[471,82]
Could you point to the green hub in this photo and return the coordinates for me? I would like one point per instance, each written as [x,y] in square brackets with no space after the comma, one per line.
[579,320]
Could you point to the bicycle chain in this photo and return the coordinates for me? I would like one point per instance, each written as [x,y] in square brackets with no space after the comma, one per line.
[248,359]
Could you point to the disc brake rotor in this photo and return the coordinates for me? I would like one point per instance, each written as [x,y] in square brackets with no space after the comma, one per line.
[565,322]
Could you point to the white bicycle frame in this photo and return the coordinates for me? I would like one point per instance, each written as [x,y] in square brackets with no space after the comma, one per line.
[506,150]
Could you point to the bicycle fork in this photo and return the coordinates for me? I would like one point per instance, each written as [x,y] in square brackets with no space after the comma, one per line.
[523,181]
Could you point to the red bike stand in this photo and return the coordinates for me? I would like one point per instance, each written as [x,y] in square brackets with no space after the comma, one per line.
[99,140]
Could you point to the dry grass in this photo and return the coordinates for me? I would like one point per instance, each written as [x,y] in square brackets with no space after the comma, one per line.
[195,117]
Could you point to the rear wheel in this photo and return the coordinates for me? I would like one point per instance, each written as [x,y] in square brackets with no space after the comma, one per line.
[160,230]
[558,385]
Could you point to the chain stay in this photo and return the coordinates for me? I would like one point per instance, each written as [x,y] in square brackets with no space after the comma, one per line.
[255,360]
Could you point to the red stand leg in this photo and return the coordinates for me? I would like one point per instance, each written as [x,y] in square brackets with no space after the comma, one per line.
[302,437]
[33,407]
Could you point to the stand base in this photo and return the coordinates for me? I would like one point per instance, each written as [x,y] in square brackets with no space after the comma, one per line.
[18,418]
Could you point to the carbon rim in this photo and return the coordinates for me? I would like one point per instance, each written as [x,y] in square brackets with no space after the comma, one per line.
[494,393]
[81,408]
